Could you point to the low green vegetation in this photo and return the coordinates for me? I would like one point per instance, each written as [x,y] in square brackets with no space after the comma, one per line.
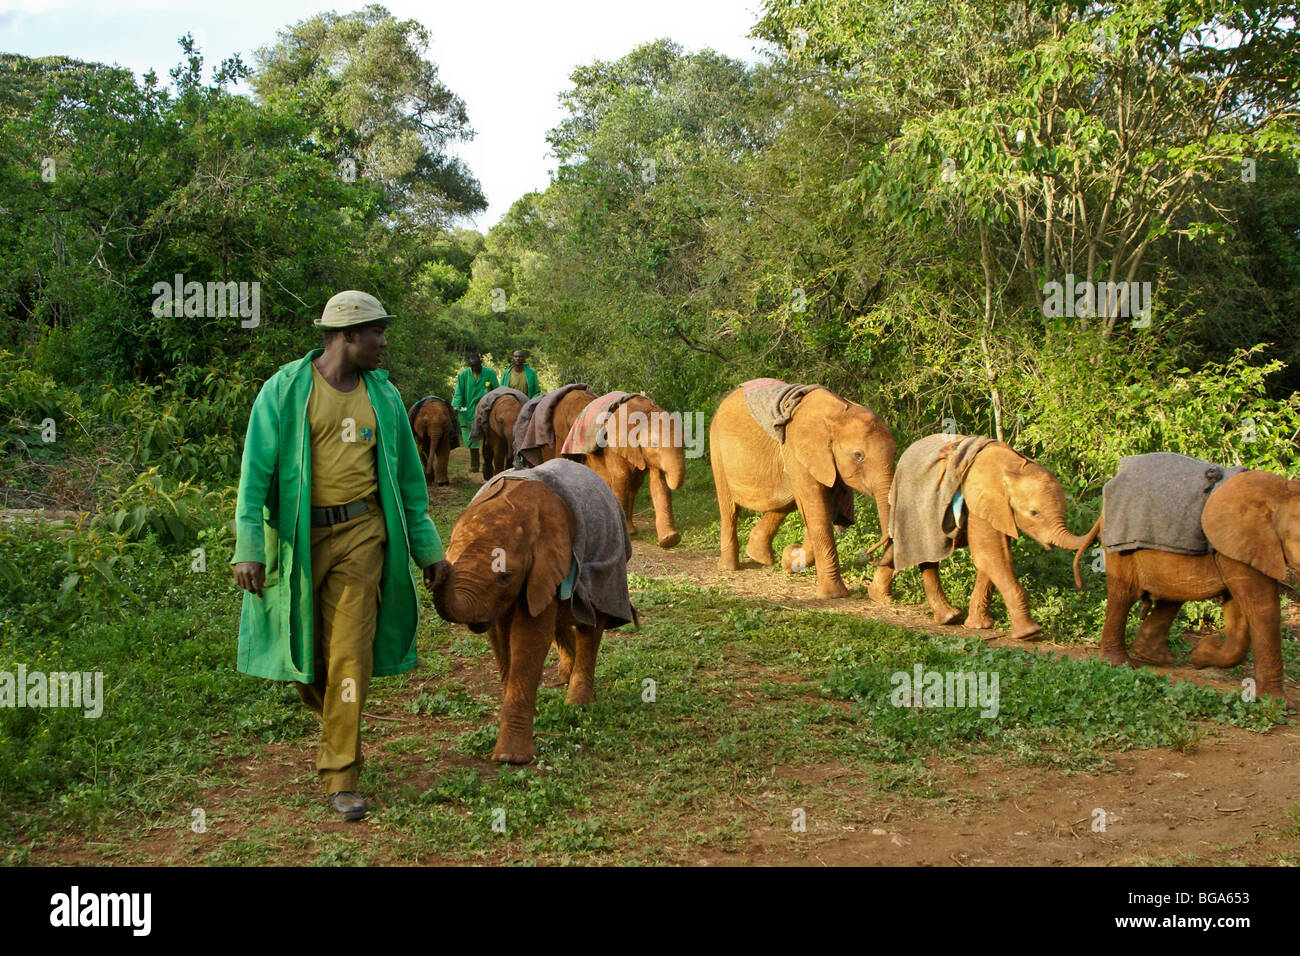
[747,699]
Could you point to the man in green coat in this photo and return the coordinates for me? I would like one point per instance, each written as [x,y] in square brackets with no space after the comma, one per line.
[332,508]
[520,376]
[472,384]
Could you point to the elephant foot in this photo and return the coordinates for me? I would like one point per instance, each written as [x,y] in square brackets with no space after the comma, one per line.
[795,560]
[1212,651]
[580,695]
[762,555]
[974,622]
[1154,652]
[515,755]
[670,540]
[1027,631]
[1116,657]
[728,564]
[949,615]
[880,593]
[831,589]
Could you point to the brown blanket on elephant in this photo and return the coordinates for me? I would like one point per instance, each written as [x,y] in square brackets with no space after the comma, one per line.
[923,523]
[478,427]
[601,547]
[588,432]
[451,417]
[535,426]
[1155,501]
[771,403]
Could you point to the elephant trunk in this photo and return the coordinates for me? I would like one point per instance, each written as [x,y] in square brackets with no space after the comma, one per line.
[459,604]
[880,492]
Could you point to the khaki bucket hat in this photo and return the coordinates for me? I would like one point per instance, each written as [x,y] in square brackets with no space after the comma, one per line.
[352,308]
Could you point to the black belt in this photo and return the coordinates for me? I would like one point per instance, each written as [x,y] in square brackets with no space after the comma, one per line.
[336,514]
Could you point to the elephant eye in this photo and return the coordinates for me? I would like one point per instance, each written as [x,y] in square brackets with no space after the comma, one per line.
[1033,513]
[858,456]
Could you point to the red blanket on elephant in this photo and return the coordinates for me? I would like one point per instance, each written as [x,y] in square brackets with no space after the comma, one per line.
[588,432]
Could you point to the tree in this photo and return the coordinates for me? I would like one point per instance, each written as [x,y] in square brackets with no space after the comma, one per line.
[377,107]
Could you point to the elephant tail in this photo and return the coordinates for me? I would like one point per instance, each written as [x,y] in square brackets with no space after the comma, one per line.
[1088,540]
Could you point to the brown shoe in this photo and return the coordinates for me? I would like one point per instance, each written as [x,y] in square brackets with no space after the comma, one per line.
[348,804]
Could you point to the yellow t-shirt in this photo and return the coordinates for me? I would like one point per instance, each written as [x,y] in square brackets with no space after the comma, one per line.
[343,443]
[518,380]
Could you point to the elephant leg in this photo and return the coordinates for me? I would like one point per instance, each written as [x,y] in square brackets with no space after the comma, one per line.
[815,503]
[1121,593]
[944,613]
[759,547]
[441,460]
[665,528]
[880,589]
[991,550]
[1257,596]
[1151,646]
[530,639]
[631,484]
[565,646]
[977,614]
[729,559]
[499,638]
[1229,648]
[582,683]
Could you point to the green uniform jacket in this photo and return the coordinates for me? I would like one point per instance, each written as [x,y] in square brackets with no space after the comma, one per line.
[273,526]
[533,389]
[467,395]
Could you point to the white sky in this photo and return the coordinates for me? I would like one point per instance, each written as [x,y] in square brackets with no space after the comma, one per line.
[507,60]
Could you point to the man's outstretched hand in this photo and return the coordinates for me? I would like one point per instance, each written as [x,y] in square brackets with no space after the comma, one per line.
[251,576]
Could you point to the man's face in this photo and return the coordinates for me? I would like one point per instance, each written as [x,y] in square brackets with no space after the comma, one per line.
[518,359]
[365,347]
[475,363]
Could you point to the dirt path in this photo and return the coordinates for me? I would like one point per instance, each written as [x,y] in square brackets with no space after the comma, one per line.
[1232,799]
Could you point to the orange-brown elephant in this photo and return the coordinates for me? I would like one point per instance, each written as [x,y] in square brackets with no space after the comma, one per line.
[539,556]
[623,438]
[494,427]
[956,490]
[436,434]
[832,448]
[1252,521]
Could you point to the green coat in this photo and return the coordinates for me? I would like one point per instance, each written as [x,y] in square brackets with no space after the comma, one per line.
[533,389]
[467,395]
[273,526]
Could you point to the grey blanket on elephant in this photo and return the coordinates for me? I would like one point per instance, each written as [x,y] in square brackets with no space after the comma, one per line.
[478,427]
[772,402]
[535,426]
[929,475]
[1155,501]
[453,432]
[601,547]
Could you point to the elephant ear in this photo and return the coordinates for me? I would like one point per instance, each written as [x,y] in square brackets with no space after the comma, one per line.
[810,439]
[1240,521]
[622,432]
[985,488]
[551,532]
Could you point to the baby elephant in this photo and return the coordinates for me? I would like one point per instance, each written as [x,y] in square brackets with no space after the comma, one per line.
[540,555]
[1248,534]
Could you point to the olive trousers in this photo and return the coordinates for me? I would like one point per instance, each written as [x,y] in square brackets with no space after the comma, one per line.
[347,561]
